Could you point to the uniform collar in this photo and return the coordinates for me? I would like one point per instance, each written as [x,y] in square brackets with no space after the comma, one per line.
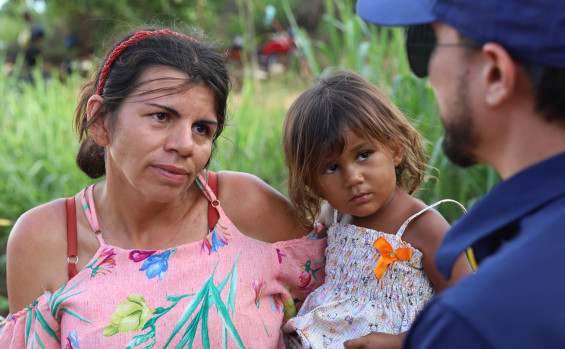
[509,201]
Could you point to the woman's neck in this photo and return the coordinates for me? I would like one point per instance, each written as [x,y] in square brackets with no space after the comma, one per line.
[130,220]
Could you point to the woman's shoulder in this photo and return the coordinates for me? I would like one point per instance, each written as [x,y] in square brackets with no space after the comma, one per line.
[244,190]
[39,222]
[35,246]
[257,209]
[240,181]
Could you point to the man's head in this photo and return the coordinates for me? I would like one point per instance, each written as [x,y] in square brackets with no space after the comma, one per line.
[457,40]
[531,31]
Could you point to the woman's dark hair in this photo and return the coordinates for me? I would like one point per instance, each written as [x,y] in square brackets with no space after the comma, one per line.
[203,63]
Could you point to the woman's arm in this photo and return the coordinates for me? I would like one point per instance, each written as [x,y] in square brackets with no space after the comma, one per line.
[258,210]
[35,256]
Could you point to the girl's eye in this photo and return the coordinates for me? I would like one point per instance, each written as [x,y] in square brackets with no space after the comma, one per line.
[331,169]
[364,155]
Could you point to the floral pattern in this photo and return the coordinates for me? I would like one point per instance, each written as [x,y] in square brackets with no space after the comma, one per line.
[206,297]
[259,287]
[155,264]
[352,301]
[72,340]
[203,305]
[280,255]
[289,306]
[130,316]
[277,304]
[307,277]
[104,263]
[217,238]
[138,256]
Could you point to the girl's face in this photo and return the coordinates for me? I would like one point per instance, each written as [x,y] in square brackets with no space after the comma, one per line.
[161,141]
[362,178]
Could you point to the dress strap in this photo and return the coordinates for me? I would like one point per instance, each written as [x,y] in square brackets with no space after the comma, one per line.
[90,211]
[213,214]
[403,227]
[71,236]
[209,187]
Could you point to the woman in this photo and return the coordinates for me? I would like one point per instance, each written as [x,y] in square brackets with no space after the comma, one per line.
[154,267]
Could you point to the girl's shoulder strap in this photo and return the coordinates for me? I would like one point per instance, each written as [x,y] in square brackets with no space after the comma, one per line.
[403,227]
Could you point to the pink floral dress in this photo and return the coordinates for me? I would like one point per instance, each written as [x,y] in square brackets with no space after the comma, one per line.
[227,291]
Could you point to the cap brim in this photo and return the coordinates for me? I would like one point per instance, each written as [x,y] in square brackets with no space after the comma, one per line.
[395,12]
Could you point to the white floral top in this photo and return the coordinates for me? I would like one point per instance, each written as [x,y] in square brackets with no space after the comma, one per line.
[353,302]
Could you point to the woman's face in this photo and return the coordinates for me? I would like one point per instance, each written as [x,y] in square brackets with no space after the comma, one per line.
[161,141]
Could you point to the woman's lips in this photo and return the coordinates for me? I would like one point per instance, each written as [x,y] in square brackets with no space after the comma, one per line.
[171,173]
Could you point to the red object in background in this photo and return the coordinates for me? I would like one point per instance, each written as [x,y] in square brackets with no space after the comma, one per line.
[234,54]
[280,44]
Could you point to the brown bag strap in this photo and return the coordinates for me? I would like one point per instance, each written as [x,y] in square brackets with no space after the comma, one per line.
[213,214]
[72,236]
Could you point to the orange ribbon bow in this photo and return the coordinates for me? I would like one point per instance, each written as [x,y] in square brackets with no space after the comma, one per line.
[388,255]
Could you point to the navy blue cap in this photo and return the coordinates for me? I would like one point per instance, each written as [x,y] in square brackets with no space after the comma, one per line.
[531,30]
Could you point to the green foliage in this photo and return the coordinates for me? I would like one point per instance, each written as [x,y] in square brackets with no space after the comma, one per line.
[37,159]
[252,141]
[37,151]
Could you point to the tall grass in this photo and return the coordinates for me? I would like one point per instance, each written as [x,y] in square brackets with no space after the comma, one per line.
[38,146]
[252,141]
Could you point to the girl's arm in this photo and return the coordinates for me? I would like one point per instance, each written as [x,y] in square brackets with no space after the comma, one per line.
[35,253]
[426,234]
[258,210]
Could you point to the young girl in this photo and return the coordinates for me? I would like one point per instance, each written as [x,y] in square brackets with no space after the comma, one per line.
[346,143]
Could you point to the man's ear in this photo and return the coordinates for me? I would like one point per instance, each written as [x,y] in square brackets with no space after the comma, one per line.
[98,129]
[499,74]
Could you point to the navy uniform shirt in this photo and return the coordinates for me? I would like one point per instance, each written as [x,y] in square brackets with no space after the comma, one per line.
[516,298]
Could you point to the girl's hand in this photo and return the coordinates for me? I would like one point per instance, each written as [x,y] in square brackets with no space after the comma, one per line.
[376,340]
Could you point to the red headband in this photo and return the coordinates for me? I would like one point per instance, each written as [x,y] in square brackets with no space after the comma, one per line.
[136,37]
